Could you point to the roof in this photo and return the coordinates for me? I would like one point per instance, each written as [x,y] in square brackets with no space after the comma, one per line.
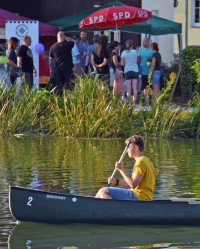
[154,26]
[44,29]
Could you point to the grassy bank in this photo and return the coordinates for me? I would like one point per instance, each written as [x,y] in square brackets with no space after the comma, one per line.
[91,111]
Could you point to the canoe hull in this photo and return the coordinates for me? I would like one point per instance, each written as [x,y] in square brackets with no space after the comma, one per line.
[48,207]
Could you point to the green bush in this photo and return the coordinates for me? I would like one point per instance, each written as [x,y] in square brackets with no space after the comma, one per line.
[188,76]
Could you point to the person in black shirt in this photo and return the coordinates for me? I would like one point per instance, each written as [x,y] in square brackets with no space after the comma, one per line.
[61,65]
[25,60]
[115,57]
[100,58]
[12,56]
[155,70]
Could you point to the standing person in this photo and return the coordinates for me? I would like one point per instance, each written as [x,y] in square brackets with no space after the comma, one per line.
[90,49]
[129,59]
[76,55]
[155,70]
[116,69]
[100,57]
[140,74]
[115,62]
[44,71]
[60,55]
[82,46]
[141,183]
[145,53]
[12,56]
[25,60]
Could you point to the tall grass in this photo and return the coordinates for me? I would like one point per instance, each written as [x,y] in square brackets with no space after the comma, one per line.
[165,118]
[23,113]
[90,110]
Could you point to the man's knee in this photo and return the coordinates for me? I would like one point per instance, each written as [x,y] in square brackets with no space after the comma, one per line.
[103,191]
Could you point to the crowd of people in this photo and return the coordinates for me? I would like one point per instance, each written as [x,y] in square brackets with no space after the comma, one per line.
[129,72]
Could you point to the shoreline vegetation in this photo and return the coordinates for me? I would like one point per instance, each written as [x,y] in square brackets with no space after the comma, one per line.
[91,110]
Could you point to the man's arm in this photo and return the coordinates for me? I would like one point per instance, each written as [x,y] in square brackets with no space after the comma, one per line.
[87,60]
[34,71]
[79,55]
[132,182]
[19,62]
[51,65]
[67,38]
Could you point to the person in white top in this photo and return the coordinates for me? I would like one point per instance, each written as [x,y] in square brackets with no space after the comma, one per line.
[129,59]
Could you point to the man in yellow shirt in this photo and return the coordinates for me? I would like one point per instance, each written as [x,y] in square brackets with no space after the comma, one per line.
[141,183]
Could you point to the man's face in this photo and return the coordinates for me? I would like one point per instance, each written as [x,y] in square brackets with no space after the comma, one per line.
[28,41]
[83,36]
[145,42]
[132,148]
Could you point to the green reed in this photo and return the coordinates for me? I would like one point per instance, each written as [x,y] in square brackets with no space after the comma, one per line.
[90,110]
[22,113]
[164,118]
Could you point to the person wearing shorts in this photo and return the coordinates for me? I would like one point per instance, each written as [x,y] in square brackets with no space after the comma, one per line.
[129,59]
[145,53]
[155,70]
[140,185]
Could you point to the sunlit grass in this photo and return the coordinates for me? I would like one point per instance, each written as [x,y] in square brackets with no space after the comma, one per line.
[91,110]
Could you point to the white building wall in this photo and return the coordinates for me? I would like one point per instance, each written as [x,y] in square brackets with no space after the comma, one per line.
[163,9]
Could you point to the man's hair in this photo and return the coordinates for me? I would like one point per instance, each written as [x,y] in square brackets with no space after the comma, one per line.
[25,37]
[137,140]
[83,30]
[76,37]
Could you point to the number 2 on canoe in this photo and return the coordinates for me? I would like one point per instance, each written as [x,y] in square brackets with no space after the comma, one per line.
[30,199]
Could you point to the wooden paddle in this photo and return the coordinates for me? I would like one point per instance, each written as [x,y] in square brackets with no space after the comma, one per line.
[120,160]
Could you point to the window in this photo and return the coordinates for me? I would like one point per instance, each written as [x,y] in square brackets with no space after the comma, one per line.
[196,13]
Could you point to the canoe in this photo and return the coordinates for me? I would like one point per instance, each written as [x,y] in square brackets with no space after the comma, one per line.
[50,207]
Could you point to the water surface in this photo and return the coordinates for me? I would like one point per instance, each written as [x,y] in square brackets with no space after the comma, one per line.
[82,166]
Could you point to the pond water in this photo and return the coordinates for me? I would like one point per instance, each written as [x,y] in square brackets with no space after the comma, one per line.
[82,166]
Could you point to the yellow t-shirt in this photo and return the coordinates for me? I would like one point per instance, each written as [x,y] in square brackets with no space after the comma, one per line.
[145,190]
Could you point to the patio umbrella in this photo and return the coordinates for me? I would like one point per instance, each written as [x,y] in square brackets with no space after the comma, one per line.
[115,17]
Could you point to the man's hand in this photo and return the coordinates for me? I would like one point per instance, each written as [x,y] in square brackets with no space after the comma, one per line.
[149,77]
[113,180]
[119,166]
[35,72]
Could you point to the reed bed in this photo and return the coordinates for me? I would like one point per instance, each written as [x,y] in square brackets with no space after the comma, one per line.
[164,118]
[90,110]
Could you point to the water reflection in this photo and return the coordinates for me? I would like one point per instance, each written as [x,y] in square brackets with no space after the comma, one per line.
[35,236]
[81,166]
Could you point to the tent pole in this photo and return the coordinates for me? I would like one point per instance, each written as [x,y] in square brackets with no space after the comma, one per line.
[186,23]
[180,42]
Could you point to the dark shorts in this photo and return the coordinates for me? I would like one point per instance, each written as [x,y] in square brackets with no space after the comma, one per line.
[130,75]
[29,79]
[105,78]
[144,81]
